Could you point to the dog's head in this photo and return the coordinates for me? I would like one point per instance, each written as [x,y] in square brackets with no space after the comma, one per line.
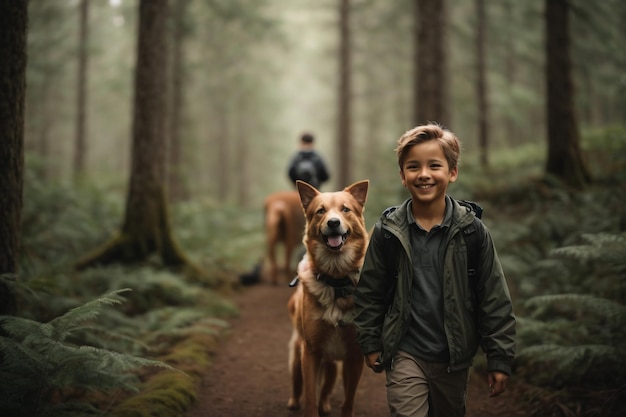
[335,225]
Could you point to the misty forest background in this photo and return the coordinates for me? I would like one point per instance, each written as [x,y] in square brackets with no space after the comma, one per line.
[141,141]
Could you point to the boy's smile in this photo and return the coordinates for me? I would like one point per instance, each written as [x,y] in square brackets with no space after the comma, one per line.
[426,174]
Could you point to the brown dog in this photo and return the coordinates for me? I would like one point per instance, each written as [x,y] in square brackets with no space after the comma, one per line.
[320,308]
[284,223]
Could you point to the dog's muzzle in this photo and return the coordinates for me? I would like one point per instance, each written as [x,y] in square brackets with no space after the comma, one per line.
[334,235]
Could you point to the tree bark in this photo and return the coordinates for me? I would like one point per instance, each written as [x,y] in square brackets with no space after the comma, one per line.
[481,84]
[510,65]
[146,229]
[80,152]
[222,141]
[344,128]
[565,160]
[176,186]
[13,29]
[431,63]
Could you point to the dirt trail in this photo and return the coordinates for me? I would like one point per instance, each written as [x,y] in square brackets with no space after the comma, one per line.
[250,376]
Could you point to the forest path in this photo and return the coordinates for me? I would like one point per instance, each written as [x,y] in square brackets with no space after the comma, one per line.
[250,375]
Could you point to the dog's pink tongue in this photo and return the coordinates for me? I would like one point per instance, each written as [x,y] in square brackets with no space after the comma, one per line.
[334,241]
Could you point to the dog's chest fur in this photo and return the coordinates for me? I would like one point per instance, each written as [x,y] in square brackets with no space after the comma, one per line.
[332,309]
[334,346]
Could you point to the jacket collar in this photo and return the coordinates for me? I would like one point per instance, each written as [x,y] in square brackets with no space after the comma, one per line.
[398,218]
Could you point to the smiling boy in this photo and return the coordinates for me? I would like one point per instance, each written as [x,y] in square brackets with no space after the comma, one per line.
[426,336]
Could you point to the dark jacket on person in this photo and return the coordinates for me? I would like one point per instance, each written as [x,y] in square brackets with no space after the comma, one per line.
[316,175]
[477,313]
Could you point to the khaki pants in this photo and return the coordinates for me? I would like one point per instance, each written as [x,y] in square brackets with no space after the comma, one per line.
[416,388]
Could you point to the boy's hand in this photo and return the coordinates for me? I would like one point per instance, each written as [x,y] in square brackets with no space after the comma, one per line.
[497,383]
[372,362]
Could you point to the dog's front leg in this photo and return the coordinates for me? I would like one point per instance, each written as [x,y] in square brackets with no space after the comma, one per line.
[329,376]
[311,361]
[295,363]
[352,370]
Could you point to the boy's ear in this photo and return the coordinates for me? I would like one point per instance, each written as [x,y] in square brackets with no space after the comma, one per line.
[402,178]
[454,174]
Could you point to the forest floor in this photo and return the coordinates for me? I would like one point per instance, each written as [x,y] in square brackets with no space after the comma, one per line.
[250,376]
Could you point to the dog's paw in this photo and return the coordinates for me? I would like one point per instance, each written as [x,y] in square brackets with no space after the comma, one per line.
[293,404]
[324,408]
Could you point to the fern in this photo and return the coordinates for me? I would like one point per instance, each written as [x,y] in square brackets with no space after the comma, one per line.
[574,340]
[601,247]
[583,307]
[88,311]
[38,360]
[591,366]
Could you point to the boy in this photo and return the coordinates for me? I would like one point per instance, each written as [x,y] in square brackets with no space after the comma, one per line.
[427,335]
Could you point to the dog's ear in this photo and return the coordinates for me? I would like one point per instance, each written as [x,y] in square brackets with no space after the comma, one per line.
[307,193]
[359,191]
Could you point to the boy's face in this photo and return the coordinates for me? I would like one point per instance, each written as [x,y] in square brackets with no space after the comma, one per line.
[426,174]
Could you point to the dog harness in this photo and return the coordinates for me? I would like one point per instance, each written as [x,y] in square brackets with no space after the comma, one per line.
[344,287]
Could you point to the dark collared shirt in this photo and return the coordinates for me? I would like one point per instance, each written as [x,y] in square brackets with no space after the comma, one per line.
[426,337]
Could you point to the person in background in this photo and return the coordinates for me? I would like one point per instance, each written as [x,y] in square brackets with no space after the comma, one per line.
[307,165]
[421,312]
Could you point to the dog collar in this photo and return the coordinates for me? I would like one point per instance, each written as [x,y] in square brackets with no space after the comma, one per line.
[343,286]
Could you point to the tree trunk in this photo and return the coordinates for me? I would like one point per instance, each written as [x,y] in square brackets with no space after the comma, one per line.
[481,84]
[510,68]
[176,186]
[344,133]
[223,147]
[565,160]
[431,63]
[45,126]
[81,88]
[146,228]
[620,101]
[242,153]
[13,28]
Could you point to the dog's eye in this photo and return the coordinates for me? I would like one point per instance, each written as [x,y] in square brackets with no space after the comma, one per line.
[345,209]
[320,210]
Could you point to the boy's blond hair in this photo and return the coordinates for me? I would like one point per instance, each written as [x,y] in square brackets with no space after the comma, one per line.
[449,143]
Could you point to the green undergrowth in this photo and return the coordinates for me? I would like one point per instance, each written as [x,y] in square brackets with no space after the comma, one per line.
[167,319]
[563,254]
[171,393]
[164,395]
[71,355]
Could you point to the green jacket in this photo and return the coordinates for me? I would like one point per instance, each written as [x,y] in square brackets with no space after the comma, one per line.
[477,313]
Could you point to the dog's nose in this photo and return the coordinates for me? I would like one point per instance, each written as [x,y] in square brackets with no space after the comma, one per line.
[333,223]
